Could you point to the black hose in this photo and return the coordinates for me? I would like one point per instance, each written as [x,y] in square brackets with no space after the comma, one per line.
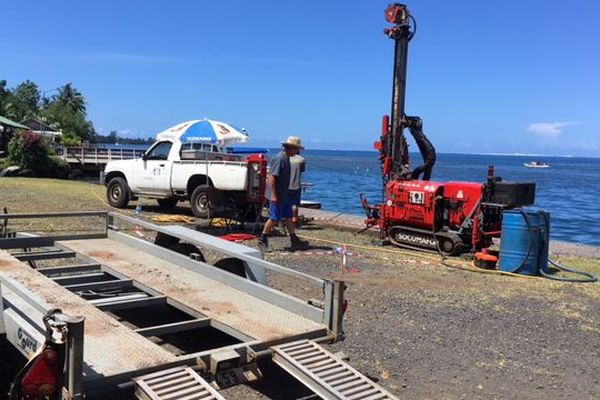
[589,276]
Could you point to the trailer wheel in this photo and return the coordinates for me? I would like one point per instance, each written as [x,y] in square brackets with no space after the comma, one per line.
[186,249]
[233,265]
[167,203]
[200,201]
[117,192]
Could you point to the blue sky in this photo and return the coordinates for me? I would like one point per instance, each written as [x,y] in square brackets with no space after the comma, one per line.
[486,77]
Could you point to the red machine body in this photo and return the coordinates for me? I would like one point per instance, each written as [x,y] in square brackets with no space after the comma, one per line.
[411,203]
[450,217]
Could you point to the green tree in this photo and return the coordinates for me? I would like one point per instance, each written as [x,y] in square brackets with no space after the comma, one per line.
[72,98]
[24,101]
[66,112]
[5,97]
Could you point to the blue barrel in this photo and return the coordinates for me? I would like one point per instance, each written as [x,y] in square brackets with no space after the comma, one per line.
[524,241]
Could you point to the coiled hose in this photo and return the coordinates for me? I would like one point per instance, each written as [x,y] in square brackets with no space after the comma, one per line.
[587,277]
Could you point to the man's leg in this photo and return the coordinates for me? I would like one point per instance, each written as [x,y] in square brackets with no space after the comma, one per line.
[295,196]
[274,218]
[269,225]
[296,243]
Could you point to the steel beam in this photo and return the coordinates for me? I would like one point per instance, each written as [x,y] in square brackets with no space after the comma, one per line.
[43,255]
[81,278]
[69,270]
[174,327]
[31,298]
[124,304]
[54,214]
[2,323]
[114,284]
[25,242]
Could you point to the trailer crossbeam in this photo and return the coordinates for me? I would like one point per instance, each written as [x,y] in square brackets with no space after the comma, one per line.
[43,255]
[104,285]
[174,327]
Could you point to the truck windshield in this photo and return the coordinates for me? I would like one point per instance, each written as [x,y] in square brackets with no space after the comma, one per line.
[160,151]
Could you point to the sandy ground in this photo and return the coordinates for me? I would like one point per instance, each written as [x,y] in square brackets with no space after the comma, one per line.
[425,330]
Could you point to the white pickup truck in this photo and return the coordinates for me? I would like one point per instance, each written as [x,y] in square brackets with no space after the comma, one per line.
[203,173]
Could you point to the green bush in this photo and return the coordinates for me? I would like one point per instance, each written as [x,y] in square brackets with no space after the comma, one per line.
[28,150]
[69,140]
[60,167]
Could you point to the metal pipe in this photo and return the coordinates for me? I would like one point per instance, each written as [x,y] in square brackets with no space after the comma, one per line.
[74,375]
[55,214]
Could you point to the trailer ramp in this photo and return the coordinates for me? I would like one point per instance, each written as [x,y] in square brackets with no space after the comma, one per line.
[325,374]
[182,383]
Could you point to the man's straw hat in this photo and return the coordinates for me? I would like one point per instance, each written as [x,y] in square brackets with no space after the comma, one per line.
[293,141]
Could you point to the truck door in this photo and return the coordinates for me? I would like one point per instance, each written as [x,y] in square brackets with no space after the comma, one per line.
[153,171]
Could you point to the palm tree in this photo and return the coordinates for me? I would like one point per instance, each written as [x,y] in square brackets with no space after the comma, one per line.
[72,98]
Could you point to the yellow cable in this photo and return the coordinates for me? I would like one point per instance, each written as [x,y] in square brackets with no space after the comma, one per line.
[174,218]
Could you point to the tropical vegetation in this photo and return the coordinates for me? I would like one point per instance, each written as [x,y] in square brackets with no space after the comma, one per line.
[65,111]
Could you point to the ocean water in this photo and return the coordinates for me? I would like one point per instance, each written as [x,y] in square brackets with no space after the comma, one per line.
[569,189]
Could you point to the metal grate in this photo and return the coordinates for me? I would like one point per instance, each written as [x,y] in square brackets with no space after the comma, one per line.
[181,383]
[327,375]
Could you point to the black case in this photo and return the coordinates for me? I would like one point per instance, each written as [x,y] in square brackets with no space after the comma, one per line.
[514,194]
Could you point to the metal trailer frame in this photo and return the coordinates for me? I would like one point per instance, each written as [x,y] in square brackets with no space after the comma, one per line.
[329,315]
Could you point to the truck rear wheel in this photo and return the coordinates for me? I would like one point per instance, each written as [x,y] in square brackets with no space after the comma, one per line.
[200,201]
[167,203]
[117,192]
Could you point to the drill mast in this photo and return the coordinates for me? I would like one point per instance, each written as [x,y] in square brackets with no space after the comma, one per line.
[394,149]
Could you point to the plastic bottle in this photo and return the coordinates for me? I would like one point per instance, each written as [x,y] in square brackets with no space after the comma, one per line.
[138,211]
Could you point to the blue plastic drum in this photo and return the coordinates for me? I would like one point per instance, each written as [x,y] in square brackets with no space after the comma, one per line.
[524,241]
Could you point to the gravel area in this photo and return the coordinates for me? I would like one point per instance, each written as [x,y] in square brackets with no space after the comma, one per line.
[426,331]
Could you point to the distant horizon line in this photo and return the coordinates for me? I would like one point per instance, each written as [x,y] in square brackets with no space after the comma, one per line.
[459,153]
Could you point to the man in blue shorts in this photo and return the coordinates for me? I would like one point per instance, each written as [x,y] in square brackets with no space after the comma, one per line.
[280,205]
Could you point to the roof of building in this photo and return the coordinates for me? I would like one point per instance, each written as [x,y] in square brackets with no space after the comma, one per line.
[11,123]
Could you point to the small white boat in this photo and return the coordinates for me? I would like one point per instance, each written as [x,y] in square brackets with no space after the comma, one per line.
[536,164]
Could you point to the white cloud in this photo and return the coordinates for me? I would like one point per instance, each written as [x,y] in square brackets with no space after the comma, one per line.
[549,129]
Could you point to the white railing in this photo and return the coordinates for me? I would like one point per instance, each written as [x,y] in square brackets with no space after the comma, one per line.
[97,155]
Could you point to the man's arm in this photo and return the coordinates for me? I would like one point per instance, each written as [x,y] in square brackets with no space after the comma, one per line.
[274,169]
[273,186]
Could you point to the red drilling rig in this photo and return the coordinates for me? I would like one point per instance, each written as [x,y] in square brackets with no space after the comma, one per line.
[448,217]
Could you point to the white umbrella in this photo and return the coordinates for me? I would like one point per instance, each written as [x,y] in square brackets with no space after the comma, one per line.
[206,131]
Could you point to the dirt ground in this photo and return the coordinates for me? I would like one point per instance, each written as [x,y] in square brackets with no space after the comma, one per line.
[422,329]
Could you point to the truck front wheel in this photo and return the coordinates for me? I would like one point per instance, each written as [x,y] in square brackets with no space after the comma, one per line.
[117,192]
[200,201]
